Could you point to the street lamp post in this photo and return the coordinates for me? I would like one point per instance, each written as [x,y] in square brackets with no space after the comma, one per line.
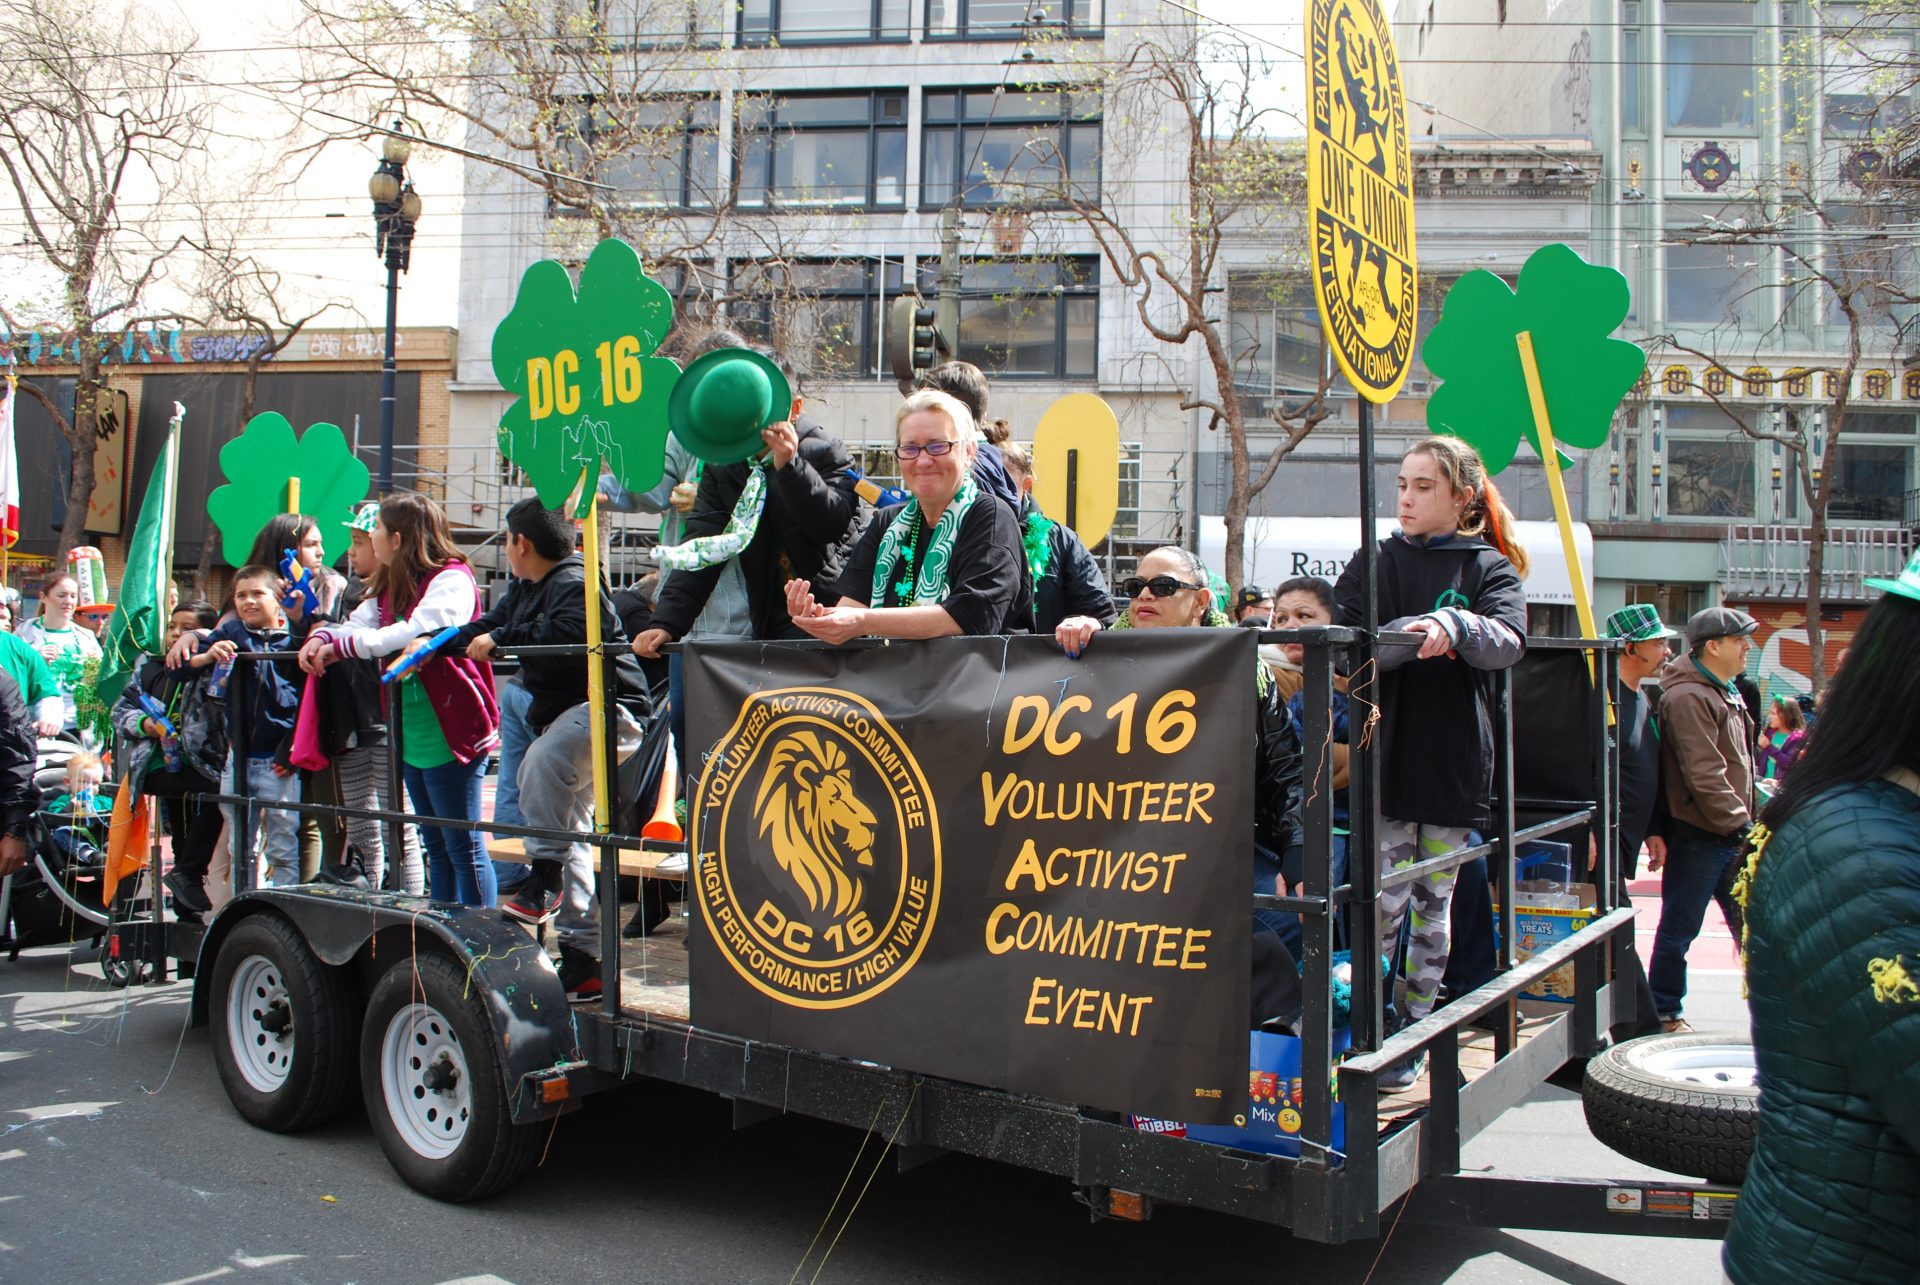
[396,208]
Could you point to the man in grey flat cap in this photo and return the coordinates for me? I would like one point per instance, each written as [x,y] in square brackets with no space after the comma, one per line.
[1706,746]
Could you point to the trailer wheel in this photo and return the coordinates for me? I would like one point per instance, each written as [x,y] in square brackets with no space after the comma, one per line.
[1684,1103]
[282,1024]
[435,1088]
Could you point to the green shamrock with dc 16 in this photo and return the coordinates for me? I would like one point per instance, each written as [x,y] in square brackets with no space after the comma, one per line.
[590,395]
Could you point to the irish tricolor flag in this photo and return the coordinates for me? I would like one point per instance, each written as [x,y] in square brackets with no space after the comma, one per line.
[139,620]
[9,468]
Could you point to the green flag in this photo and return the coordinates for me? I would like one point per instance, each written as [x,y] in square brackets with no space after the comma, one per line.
[139,621]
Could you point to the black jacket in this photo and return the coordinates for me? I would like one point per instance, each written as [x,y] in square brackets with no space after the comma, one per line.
[988,587]
[268,691]
[1276,788]
[1072,585]
[552,611]
[1436,715]
[808,527]
[19,796]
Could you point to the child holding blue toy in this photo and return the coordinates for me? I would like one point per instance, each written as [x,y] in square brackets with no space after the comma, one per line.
[262,699]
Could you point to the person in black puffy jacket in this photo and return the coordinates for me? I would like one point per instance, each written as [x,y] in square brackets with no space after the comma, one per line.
[1832,895]
[1170,590]
[1451,574]
[1066,579]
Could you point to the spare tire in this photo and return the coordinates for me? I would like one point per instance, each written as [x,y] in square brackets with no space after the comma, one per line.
[1688,1104]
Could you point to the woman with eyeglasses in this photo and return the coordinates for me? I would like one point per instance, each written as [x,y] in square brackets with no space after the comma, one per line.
[1450,574]
[944,564]
[1170,591]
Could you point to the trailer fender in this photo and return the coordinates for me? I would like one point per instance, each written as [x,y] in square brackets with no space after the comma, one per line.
[532,1023]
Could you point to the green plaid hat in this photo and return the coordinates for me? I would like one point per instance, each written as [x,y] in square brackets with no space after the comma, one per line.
[364,517]
[1638,622]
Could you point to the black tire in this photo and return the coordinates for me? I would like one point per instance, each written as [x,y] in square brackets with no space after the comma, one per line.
[295,1017]
[454,1139]
[1698,1124]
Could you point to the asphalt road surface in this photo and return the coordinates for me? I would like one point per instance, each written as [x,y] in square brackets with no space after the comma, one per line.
[122,1161]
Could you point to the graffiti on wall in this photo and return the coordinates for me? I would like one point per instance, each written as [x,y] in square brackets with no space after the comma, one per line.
[1781,658]
[151,345]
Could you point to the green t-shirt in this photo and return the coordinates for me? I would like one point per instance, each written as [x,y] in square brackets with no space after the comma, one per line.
[26,666]
[422,743]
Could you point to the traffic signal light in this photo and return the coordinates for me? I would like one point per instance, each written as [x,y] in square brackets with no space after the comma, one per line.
[913,339]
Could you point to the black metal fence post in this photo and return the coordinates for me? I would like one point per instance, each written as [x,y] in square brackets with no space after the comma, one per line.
[609,849]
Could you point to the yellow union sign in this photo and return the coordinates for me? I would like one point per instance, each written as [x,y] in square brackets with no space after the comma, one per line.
[1360,194]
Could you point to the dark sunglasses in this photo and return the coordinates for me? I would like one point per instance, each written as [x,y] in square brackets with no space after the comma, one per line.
[1159,586]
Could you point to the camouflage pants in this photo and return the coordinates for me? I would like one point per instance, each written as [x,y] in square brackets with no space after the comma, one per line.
[1429,899]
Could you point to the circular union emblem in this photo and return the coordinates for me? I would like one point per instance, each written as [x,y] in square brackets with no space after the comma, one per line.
[819,869]
[1360,194]
[1710,167]
[1864,167]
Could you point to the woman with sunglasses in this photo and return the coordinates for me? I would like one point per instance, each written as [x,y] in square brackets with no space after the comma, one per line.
[1170,591]
[944,564]
[1451,574]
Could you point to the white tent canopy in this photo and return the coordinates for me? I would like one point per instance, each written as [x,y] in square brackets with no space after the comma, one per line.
[1281,548]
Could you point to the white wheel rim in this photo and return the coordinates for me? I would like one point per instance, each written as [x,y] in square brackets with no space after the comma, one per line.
[1715,1066]
[260,1024]
[424,1077]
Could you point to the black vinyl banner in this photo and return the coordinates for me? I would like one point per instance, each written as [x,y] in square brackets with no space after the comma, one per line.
[979,859]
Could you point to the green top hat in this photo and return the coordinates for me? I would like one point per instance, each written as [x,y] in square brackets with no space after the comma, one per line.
[722,401]
[1908,583]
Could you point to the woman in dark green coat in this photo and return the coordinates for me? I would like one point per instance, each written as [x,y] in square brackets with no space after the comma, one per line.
[1833,977]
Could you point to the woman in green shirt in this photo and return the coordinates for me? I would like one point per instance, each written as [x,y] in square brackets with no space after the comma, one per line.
[65,646]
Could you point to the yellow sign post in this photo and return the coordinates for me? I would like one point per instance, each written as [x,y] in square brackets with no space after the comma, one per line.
[1076,466]
[1360,195]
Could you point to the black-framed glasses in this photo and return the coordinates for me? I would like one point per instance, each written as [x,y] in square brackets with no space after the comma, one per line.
[935,449]
[1159,586]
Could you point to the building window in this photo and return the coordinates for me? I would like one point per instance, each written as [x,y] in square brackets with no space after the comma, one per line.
[1716,284]
[1710,74]
[1007,19]
[1013,147]
[821,22]
[1867,70]
[1274,333]
[1870,481]
[824,150]
[824,317]
[1869,257]
[1028,318]
[662,24]
[1630,119]
[1708,477]
[655,152]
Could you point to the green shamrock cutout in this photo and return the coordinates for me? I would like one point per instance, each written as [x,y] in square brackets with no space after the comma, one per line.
[260,462]
[589,393]
[1570,307]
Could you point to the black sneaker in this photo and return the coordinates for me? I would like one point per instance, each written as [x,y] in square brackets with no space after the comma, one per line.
[189,893]
[538,900]
[580,974]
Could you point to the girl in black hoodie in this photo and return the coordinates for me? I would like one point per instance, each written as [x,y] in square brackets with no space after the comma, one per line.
[1452,574]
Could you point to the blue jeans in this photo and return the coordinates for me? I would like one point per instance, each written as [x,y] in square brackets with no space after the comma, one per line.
[277,831]
[1700,868]
[457,865]
[515,736]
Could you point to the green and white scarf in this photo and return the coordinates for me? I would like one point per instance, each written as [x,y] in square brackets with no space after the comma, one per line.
[711,550]
[929,587]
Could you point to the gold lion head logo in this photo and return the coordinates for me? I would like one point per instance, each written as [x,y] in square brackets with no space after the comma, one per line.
[807,806]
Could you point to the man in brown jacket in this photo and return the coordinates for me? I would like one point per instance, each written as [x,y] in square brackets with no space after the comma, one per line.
[1706,745]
